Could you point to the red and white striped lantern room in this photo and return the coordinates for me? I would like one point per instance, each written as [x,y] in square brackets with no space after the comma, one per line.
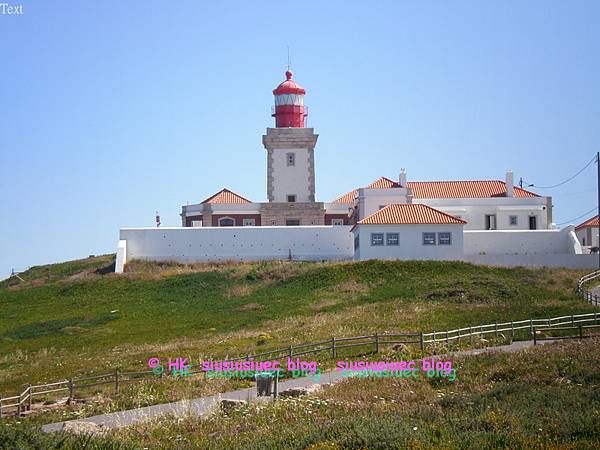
[289,111]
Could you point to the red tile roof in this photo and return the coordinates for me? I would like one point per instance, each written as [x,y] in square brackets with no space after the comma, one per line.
[591,222]
[445,189]
[406,214]
[226,196]
[464,189]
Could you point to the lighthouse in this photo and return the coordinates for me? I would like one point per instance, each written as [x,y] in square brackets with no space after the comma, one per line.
[291,160]
[289,111]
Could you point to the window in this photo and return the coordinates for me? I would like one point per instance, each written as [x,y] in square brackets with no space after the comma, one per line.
[337,221]
[376,238]
[292,222]
[490,222]
[392,238]
[445,238]
[513,220]
[428,238]
[356,242]
[291,159]
[532,222]
[291,198]
[248,222]
[226,222]
[196,223]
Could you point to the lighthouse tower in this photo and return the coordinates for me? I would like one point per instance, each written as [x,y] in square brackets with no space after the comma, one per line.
[290,147]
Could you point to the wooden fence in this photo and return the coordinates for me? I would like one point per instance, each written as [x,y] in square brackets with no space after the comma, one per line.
[584,293]
[21,404]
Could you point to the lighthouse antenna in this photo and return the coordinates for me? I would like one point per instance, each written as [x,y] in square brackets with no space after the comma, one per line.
[289,63]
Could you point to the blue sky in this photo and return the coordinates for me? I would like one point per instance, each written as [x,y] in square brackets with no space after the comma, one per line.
[112,110]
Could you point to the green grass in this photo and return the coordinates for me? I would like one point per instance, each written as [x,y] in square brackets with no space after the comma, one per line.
[81,319]
[545,397]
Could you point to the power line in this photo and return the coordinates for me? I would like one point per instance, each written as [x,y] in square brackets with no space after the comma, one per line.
[567,180]
[579,217]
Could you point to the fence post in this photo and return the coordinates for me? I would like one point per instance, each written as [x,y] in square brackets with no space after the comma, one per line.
[458,333]
[434,339]
[291,350]
[333,352]
[480,331]
[530,325]
[422,344]
[117,380]
[512,330]
[496,328]
[580,332]
[71,390]
[572,320]
[534,336]
[30,395]
[376,342]
[471,333]
[446,336]
[0,407]
[19,406]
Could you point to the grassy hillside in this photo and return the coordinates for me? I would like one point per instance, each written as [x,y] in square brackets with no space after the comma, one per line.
[546,397]
[78,318]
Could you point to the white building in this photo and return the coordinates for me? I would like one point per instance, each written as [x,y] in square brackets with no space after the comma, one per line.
[387,219]
[587,233]
[408,231]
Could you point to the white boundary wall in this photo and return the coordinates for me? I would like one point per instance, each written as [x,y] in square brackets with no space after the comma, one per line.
[517,242]
[550,260]
[236,243]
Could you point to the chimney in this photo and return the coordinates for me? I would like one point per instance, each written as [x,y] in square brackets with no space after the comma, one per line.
[509,184]
[402,178]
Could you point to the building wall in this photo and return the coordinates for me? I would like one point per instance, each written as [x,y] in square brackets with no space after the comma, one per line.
[330,217]
[410,243]
[589,234]
[291,180]
[307,213]
[503,242]
[283,179]
[237,243]
[474,211]
[371,200]
[238,218]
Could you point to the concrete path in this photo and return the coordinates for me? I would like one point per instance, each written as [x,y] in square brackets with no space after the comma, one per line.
[202,406]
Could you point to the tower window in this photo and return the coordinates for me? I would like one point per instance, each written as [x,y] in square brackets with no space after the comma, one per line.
[292,222]
[291,199]
[291,159]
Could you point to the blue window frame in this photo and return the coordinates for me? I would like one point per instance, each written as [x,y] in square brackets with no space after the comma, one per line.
[376,239]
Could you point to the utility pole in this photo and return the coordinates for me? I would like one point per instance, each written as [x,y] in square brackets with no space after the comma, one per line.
[598,180]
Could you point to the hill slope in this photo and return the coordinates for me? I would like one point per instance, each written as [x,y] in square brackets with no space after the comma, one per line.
[83,319]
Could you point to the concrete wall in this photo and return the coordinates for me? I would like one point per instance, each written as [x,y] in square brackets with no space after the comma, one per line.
[410,243]
[238,243]
[549,260]
[503,242]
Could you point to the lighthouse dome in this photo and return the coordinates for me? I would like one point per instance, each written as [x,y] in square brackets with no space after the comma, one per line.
[289,86]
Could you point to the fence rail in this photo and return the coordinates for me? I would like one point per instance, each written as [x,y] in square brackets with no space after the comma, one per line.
[22,402]
[589,296]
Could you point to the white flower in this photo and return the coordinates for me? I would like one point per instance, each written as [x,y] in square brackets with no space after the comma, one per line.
[414,428]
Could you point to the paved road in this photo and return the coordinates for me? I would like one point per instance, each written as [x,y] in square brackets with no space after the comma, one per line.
[202,406]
